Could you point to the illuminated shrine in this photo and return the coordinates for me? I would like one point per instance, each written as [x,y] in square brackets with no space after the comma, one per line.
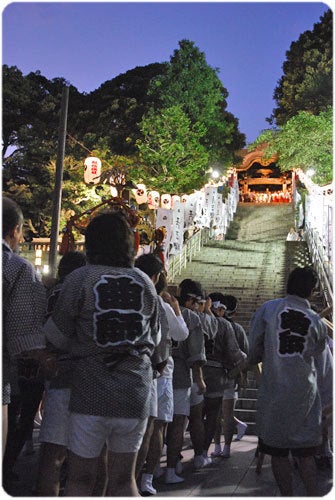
[259,173]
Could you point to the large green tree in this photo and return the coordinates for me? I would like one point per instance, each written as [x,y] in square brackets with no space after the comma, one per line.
[192,84]
[31,107]
[172,157]
[307,81]
[306,142]
[115,109]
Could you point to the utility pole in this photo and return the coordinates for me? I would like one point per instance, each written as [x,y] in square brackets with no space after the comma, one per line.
[57,197]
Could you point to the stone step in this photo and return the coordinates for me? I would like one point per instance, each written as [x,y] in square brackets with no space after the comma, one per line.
[247,416]
[248,392]
[246,403]
[252,263]
[252,383]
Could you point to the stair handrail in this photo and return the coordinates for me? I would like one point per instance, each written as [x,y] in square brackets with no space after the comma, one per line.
[323,271]
[192,246]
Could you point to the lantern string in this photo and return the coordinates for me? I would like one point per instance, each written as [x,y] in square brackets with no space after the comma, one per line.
[80,144]
[84,147]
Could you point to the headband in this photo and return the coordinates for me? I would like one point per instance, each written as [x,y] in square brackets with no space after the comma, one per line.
[218,304]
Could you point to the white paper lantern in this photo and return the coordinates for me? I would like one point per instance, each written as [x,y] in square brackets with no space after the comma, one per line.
[141,194]
[92,170]
[175,199]
[184,198]
[153,199]
[114,192]
[166,201]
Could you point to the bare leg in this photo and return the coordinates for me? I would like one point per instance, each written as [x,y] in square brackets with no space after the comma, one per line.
[282,471]
[156,446]
[175,438]
[100,485]
[307,470]
[82,475]
[143,451]
[228,420]
[121,473]
[197,431]
[212,412]
[218,430]
[50,462]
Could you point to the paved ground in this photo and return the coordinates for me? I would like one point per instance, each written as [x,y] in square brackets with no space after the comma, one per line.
[224,477]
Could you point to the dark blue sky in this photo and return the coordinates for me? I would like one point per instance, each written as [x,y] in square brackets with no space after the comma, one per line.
[89,43]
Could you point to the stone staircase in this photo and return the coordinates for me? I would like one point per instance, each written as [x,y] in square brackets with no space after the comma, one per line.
[252,263]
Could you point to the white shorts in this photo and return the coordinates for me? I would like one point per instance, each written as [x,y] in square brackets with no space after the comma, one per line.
[229,390]
[153,399]
[196,398]
[55,422]
[89,433]
[181,401]
[165,399]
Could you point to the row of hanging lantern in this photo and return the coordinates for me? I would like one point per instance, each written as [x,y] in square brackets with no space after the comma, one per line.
[154,200]
[92,176]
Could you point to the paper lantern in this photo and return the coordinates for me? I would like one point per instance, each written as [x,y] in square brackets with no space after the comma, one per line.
[166,201]
[153,199]
[114,192]
[175,198]
[92,170]
[184,198]
[140,194]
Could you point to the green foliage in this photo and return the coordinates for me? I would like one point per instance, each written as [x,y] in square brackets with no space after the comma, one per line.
[108,123]
[189,82]
[15,100]
[307,82]
[115,109]
[305,141]
[172,158]
[31,123]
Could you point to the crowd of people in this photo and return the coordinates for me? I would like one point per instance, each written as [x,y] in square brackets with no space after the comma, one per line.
[265,196]
[125,367]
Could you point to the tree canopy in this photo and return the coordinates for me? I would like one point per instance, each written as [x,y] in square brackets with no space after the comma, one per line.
[192,84]
[168,119]
[307,81]
[115,109]
[305,141]
[304,113]
[172,157]
[31,106]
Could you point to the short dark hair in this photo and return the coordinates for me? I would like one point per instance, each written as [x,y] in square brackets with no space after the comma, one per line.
[189,288]
[230,302]
[12,215]
[149,263]
[302,281]
[69,262]
[109,240]
[216,297]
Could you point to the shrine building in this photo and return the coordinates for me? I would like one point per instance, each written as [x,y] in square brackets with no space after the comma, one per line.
[259,174]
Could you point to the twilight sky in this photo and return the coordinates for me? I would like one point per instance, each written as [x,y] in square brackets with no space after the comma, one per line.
[88,43]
